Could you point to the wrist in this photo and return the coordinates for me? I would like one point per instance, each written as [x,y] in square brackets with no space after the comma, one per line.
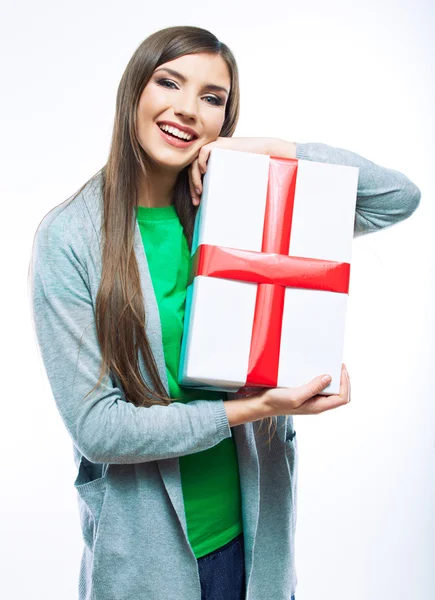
[246,410]
[261,406]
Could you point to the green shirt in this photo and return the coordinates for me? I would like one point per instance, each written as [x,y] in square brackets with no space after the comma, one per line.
[210,479]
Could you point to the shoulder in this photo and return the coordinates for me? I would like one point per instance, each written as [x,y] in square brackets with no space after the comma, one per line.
[73,222]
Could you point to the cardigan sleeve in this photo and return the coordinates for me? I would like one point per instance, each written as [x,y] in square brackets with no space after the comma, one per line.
[103,426]
[384,196]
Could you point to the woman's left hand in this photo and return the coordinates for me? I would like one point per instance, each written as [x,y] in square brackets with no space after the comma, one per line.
[244,144]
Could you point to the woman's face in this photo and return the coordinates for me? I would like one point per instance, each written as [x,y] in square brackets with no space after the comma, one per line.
[190,98]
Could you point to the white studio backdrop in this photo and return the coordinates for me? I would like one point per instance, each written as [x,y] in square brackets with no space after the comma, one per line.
[353,75]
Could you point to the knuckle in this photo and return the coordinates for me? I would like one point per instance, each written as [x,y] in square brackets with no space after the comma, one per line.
[317,387]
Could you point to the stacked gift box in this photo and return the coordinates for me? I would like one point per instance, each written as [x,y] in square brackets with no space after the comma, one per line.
[271,253]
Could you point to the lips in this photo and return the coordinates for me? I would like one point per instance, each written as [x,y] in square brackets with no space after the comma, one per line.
[188,130]
[174,141]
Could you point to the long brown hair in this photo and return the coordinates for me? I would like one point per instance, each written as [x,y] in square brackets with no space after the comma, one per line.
[120,314]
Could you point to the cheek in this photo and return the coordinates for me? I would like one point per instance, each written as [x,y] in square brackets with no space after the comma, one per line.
[214,125]
[148,104]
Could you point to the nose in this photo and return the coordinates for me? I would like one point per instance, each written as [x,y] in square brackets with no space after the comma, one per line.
[186,106]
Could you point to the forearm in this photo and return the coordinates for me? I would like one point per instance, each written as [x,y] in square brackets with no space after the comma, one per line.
[246,410]
[282,148]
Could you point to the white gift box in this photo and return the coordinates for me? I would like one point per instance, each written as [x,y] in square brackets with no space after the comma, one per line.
[220,311]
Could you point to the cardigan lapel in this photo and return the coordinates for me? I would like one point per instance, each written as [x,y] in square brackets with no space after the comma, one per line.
[249,472]
[169,468]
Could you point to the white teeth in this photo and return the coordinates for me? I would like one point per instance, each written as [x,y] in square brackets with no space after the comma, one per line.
[176,132]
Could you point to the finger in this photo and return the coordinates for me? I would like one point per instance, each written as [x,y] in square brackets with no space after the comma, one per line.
[203,156]
[189,175]
[348,381]
[312,388]
[344,384]
[316,402]
[319,404]
[193,194]
[196,179]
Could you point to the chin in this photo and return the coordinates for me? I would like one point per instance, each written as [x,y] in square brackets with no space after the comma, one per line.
[170,164]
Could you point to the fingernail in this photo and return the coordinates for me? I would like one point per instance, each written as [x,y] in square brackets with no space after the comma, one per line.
[326,378]
[197,191]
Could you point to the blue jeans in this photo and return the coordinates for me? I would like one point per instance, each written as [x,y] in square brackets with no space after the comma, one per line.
[222,572]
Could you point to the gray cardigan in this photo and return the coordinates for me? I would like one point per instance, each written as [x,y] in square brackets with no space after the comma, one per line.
[128,480]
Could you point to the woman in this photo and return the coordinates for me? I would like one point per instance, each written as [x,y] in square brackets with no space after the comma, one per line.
[179,497]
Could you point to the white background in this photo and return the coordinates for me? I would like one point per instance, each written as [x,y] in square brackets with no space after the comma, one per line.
[355,76]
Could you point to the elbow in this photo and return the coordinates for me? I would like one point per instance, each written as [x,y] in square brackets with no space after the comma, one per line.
[407,204]
[95,440]
[99,453]
[409,201]
[406,200]
[413,199]
[92,450]
[108,443]
[104,449]
[94,456]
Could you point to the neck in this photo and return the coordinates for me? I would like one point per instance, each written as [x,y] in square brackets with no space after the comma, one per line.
[157,190]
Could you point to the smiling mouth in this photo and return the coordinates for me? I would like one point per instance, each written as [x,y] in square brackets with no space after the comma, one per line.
[192,136]
[176,141]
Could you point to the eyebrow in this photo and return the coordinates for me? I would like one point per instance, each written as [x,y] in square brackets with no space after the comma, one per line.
[210,86]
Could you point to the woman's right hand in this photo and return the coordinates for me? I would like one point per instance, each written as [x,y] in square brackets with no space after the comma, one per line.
[305,399]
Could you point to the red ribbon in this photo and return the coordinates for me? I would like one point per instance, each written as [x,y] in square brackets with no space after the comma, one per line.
[273,270]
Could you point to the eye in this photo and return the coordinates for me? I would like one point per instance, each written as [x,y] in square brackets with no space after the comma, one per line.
[163,81]
[215,100]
